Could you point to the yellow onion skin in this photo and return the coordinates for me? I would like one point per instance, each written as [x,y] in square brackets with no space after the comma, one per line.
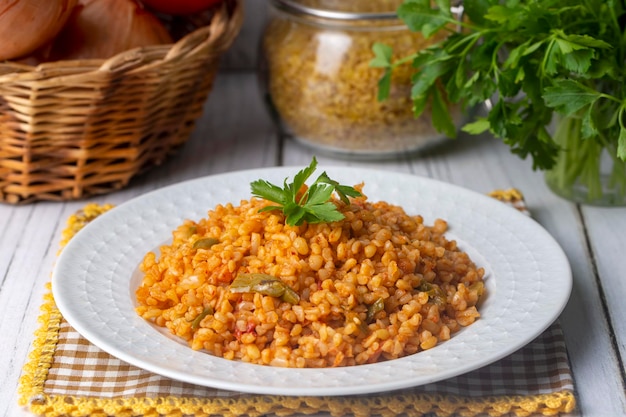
[100,29]
[26,25]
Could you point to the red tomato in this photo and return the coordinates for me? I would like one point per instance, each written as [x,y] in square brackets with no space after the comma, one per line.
[179,7]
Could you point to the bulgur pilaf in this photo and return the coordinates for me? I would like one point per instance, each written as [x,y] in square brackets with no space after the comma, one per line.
[377,285]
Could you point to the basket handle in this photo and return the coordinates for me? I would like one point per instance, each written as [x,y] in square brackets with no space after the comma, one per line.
[221,32]
[129,60]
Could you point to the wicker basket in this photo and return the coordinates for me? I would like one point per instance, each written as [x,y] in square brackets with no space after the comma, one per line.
[72,129]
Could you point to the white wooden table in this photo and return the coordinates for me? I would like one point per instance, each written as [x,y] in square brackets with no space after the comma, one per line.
[236,133]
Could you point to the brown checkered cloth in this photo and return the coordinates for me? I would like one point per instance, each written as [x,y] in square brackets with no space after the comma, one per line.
[67,375]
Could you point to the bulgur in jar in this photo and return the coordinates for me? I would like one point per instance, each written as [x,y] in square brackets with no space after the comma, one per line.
[316,74]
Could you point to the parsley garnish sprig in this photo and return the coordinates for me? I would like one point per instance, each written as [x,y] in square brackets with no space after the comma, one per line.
[534,59]
[311,206]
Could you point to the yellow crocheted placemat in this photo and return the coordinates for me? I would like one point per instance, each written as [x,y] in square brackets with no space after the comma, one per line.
[68,376]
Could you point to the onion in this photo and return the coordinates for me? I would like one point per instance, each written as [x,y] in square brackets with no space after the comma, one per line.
[100,29]
[26,25]
[181,7]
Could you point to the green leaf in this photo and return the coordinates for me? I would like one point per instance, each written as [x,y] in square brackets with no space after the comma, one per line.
[543,151]
[507,83]
[323,213]
[514,56]
[509,16]
[566,47]
[575,56]
[420,102]
[569,96]
[578,61]
[382,56]
[520,75]
[460,75]
[498,119]
[300,178]
[382,59]
[482,56]
[589,127]
[534,47]
[531,84]
[551,60]
[294,215]
[476,10]
[270,208]
[530,138]
[345,191]
[586,41]
[477,127]
[604,67]
[427,76]
[441,115]
[443,5]
[325,179]
[519,52]
[319,193]
[498,14]
[384,85]
[268,191]
[420,17]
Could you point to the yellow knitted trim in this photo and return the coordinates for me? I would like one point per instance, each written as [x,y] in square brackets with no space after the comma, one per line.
[411,405]
[385,405]
[36,369]
[79,219]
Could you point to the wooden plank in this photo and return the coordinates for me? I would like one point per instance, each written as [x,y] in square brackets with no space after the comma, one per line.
[606,229]
[22,289]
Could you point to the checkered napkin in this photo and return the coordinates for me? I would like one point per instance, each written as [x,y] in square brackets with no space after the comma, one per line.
[68,376]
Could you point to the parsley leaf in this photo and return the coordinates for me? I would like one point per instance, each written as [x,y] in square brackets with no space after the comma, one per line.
[569,96]
[312,205]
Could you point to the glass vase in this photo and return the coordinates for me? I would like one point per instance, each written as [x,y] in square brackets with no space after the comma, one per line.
[587,171]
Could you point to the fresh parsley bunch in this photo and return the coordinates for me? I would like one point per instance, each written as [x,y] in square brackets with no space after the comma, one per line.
[534,59]
[313,205]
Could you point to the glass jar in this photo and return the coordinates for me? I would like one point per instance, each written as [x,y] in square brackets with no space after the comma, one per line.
[316,75]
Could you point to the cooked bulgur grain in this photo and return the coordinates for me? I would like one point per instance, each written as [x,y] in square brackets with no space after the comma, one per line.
[378,285]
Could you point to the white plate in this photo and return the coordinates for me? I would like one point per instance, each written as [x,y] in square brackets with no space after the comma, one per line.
[528,283]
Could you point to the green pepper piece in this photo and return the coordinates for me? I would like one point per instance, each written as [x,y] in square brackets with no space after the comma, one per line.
[196,322]
[290,296]
[185,232]
[434,292]
[267,286]
[478,286]
[352,317]
[264,284]
[205,243]
[374,308]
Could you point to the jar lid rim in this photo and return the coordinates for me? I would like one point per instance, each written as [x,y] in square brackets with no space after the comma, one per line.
[294,7]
